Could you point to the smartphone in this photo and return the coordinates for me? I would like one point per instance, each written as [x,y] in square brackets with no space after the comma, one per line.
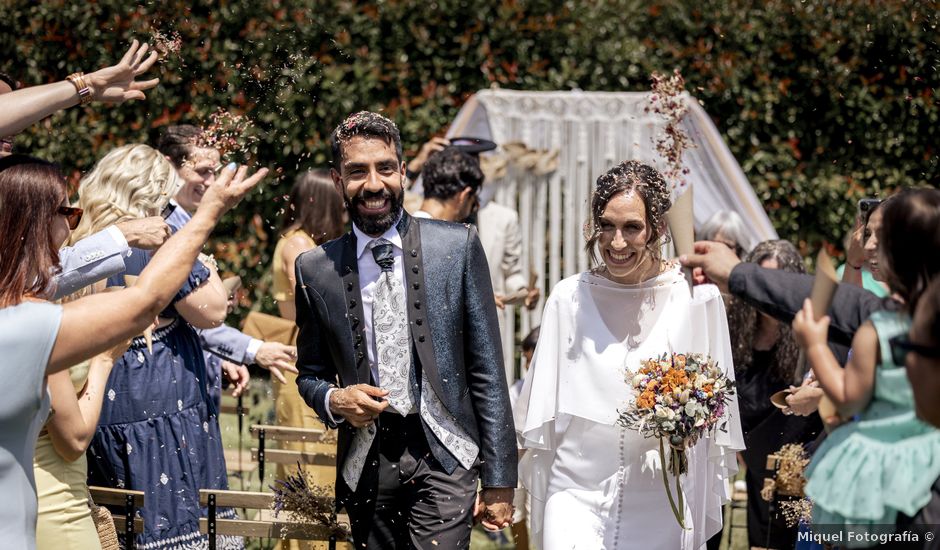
[865,207]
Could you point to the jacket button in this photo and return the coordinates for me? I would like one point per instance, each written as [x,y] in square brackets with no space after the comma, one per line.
[414,269]
[417,304]
[347,270]
[419,322]
[355,322]
[416,286]
[414,253]
[421,338]
[359,355]
[348,287]
[352,303]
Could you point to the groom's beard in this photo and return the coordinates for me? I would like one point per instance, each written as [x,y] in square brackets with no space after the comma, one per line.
[375,225]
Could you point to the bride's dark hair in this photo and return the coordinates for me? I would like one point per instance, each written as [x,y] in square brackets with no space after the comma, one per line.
[743,318]
[631,176]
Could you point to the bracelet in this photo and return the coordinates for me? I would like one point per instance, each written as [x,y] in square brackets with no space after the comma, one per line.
[84,92]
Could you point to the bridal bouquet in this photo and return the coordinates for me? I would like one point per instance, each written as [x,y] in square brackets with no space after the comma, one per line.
[680,397]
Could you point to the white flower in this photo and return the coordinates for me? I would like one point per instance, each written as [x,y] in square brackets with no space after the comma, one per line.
[684,397]
[179,404]
[164,479]
[668,426]
[638,379]
[665,412]
[692,408]
[111,394]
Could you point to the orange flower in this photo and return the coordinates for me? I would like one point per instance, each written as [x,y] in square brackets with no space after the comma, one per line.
[646,400]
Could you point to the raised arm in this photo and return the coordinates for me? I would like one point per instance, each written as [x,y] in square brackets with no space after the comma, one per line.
[93,324]
[22,108]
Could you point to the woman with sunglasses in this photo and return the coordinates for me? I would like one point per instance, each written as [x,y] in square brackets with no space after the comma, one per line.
[158,428]
[870,471]
[77,394]
[39,338]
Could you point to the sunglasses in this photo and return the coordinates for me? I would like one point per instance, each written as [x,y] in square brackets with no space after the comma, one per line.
[72,214]
[901,345]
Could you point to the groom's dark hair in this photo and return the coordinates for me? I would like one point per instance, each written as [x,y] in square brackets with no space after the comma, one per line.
[367,124]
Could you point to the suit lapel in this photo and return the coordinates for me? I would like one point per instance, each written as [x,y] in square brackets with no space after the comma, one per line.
[409,229]
[354,321]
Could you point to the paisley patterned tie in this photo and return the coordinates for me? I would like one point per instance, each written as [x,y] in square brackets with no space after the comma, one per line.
[390,330]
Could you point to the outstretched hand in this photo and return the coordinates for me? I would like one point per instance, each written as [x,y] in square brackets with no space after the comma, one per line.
[277,357]
[231,186]
[711,262]
[116,84]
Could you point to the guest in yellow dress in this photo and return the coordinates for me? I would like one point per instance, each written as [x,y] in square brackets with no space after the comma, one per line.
[64,520]
[314,214]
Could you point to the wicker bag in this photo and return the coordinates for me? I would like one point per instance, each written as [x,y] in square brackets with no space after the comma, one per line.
[107,534]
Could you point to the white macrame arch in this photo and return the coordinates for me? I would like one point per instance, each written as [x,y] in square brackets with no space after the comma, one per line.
[591,132]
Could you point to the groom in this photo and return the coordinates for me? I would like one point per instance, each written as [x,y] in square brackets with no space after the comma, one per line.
[399,348]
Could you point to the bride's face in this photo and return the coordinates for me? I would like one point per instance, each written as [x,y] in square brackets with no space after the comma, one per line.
[624,233]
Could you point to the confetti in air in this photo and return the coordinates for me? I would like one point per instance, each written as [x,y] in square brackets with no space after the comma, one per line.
[167,44]
[667,100]
[227,132]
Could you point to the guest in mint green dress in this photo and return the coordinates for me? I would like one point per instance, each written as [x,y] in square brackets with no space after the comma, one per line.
[884,462]
[868,470]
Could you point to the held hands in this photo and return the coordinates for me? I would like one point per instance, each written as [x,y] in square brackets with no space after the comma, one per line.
[360,405]
[277,357]
[146,233]
[494,508]
[116,84]
[807,330]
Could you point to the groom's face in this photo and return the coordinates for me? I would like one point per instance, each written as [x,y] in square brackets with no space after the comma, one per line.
[370,178]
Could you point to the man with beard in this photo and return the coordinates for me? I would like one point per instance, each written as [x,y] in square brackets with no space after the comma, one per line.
[399,348]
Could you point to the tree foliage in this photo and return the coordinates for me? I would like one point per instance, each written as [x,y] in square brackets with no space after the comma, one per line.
[822,102]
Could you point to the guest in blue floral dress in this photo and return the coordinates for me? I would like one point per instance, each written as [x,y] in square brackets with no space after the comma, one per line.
[158,431]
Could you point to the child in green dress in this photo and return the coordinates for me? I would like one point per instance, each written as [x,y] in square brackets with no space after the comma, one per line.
[885,461]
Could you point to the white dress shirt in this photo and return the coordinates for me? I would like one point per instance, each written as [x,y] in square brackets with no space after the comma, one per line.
[369,273]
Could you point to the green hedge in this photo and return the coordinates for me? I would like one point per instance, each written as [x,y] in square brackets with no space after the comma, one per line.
[822,102]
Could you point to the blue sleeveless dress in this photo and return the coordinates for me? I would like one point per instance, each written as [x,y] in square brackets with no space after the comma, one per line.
[868,470]
[159,430]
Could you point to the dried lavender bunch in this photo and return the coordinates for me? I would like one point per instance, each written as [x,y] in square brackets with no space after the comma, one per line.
[668,102]
[303,501]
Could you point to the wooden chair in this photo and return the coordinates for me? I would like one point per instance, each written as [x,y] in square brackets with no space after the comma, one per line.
[126,523]
[263,455]
[238,465]
[262,527]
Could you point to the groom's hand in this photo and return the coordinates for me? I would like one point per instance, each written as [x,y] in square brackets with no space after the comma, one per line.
[360,405]
[494,508]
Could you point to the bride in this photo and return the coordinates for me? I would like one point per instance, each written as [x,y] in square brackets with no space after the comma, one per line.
[593,483]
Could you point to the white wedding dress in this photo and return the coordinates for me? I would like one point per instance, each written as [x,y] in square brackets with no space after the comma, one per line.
[593,483]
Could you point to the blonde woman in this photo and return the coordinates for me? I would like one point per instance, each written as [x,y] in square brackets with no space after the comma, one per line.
[156,426]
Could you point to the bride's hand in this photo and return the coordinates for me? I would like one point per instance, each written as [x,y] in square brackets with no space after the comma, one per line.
[497,507]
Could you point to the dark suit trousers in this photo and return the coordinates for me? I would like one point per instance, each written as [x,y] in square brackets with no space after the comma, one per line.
[417,504]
